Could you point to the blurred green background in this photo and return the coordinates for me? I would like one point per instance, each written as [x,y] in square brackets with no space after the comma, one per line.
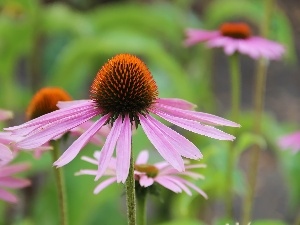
[65,43]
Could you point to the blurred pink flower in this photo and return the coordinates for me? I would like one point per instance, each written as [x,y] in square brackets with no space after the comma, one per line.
[290,141]
[123,94]
[236,37]
[8,181]
[5,114]
[147,174]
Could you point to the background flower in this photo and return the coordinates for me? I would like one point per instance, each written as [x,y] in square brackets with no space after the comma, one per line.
[290,141]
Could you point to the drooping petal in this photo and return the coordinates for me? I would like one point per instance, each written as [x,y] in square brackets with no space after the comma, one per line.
[104,184]
[12,182]
[168,184]
[191,185]
[142,157]
[195,36]
[7,196]
[77,145]
[123,151]
[87,106]
[46,133]
[176,103]
[86,172]
[109,146]
[5,154]
[161,143]
[178,183]
[90,160]
[196,127]
[182,145]
[193,115]
[145,181]
[12,169]
[67,104]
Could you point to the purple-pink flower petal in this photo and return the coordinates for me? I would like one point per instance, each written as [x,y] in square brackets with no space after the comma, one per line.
[176,103]
[142,157]
[104,184]
[12,182]
[196,127]
[123,151]
[7,196]
[77,145]
[109,146]
[162,145]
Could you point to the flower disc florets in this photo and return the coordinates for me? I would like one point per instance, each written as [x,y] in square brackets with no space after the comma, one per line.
[45,100]
[124,86]
[236,30]
[150,170]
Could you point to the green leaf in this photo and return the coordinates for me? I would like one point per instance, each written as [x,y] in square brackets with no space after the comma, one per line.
[247,139]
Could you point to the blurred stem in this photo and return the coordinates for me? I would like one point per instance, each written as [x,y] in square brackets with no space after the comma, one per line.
[235,111]
[130,194]
[297,220]
[259,95]
[141,198]
[61,188]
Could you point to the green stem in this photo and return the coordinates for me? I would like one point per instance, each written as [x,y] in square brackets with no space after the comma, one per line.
[235,111]
[130,194]
[141,207]
[59,177]
[260,85]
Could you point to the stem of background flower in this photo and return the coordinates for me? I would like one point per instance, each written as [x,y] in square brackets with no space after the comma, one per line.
[259,94]
[61,188]
[235,111]
[130,194]
[141,197]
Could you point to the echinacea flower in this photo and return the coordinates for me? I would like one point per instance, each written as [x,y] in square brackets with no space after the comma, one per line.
[7,180]
[146,174]
[290,141]
[124,94]
[236,37]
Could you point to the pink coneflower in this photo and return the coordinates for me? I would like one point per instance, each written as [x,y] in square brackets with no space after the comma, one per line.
[236,37]
[146,174]
[124,93]
[290,141]
[8,181]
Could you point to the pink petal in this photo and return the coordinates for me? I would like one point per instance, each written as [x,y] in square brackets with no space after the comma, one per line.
[86,172]
[178,183]
[5,154]
[176,103]
[50,131]
[290,141]
[146,181]
[196,127]
[7,196]
[12,182]
[52,117]
[104,184]
[142,157]
[109,146]
[90,160]
[161,143]
[191,185]
[67,104]
[168,184]
[5,114]
[123,151]
[198,116]
[12,169]
[195,36]
[77,145]
[182,145]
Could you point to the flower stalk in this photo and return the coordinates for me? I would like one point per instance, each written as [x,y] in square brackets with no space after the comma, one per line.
[130,194]
[59,178]
[235,111]
[141,197]
[259,97]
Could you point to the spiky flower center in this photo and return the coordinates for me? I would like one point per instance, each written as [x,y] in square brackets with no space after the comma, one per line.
[236,30]
[124,86]
[45,100]
[150,170]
